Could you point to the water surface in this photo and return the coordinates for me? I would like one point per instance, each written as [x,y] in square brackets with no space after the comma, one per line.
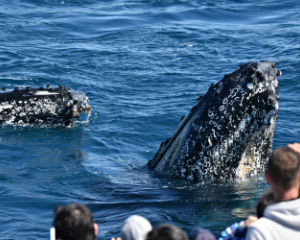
[143,64]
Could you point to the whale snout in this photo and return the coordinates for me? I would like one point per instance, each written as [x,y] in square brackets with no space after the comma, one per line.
[80,103]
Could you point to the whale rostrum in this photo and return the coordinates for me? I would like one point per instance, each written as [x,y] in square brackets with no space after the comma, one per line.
[54,106]
[228,134]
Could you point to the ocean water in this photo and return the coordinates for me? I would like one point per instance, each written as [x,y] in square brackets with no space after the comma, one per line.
[142,64]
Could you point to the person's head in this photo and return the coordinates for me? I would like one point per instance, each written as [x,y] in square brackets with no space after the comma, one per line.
[167,232]
[201,234]
[135,228]
[283,169]
[264,201]
[74,222]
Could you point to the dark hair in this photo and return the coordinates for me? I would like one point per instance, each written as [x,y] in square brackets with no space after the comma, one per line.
[167,232]
[201,234]
[74,222]
[264,201]
[283,167]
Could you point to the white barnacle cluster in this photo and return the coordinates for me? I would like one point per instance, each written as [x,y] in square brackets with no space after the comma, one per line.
[221,108]
[242,125]
[261,87]
[27,110]
[228,103]
[213,117]
[48,106]
[269,82]
[258,146]
[5,108]
[255,88]
[226,151]
[250,86]
[273,84]
[36,106]
[255,155]
[231,98]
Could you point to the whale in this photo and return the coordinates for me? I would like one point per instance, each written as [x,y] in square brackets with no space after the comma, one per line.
[60,106]
[228,133]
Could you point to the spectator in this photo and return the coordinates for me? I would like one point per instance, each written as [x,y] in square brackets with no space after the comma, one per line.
[201,234]
[281,220]
[238,231]
[167,232]
[135,228]
[74,222]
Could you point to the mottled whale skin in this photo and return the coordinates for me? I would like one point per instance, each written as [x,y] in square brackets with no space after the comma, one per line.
[228,134]
[59,106]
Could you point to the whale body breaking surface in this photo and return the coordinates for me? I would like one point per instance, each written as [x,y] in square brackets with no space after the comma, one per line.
[228,134]
[42,106]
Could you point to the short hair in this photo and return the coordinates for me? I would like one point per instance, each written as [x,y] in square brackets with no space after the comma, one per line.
[201,234]
[283,167]
[167,232]
[74,222]
[265,200]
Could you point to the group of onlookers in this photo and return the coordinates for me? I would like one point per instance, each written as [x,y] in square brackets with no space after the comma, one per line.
[278,212]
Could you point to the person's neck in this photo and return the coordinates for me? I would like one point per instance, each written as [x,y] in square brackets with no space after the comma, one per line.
[285,195]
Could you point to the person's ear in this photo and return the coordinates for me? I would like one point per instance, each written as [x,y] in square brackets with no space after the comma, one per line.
[95,229]
[267,175]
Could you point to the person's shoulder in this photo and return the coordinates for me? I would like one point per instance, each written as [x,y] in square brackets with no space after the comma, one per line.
[256,230]
[282,206]
[260,223]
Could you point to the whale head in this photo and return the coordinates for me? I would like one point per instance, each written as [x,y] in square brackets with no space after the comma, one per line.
[79,103]
[58,106]
[229,132]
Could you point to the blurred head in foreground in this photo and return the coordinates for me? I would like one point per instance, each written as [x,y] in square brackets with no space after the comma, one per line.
[167,232]
[283,174]
[74,222]
[135,228]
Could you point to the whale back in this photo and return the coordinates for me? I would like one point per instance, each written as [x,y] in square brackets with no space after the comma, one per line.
[60,106]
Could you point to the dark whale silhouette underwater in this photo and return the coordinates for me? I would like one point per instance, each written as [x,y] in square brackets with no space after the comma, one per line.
[228,134]
[40,106]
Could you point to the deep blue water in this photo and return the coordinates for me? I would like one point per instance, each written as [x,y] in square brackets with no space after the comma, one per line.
[142,64]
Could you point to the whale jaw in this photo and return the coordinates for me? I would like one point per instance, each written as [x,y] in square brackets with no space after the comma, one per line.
[228,134]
